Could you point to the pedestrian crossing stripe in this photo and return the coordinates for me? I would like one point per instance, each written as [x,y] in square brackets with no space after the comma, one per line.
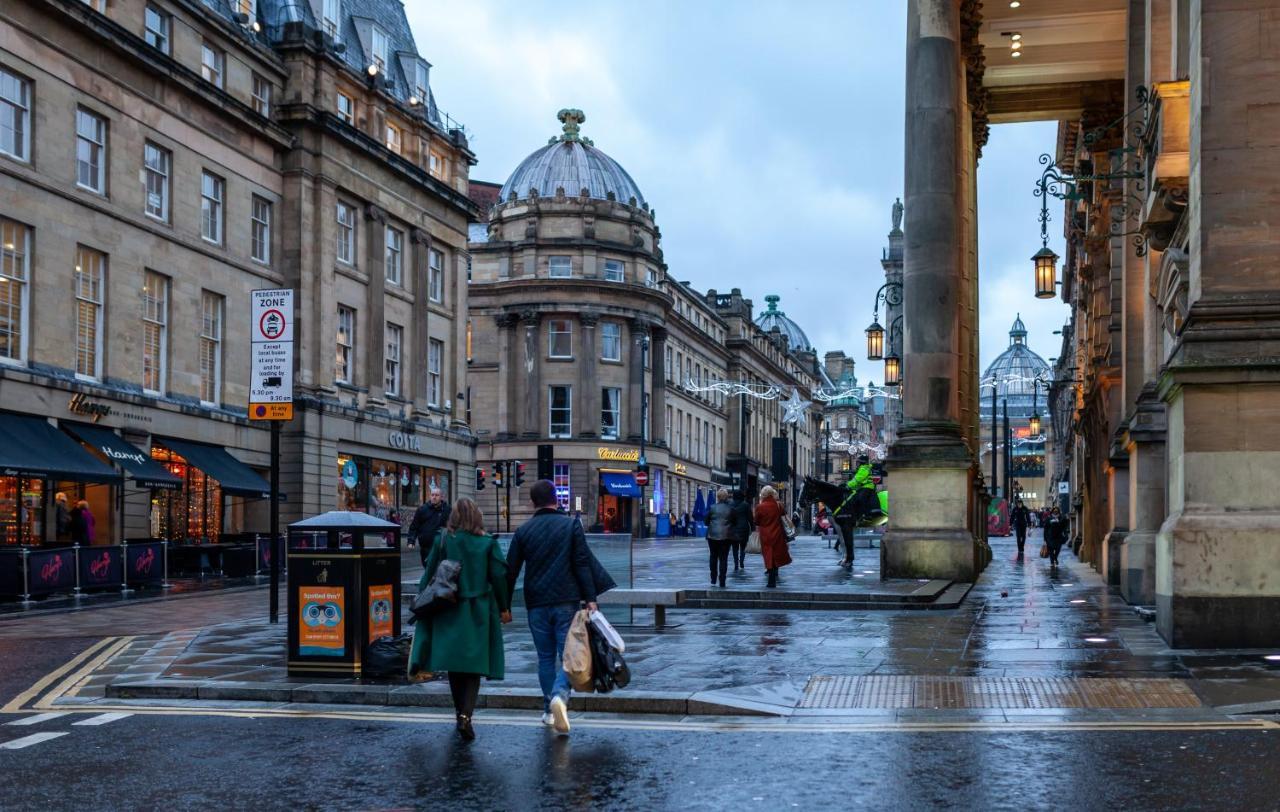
[38,718]
[34,738]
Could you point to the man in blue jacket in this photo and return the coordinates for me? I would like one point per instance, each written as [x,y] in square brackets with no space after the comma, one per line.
[558,579]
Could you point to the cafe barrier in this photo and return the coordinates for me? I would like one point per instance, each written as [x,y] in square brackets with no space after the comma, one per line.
[29,572]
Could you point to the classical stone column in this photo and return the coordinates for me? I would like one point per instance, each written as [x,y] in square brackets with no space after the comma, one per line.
[635,379]
[1146,438]
[587,418]
[375,321]
[658,386]
[931,466]
[419,334]
[507,364]
[530,377]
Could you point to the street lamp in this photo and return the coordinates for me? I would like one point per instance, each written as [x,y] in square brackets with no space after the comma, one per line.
[1033,425]
[875,341]
[891,294]
[1046,263]
[892,370]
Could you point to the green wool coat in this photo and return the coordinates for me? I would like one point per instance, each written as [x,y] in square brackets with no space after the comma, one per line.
[467,639]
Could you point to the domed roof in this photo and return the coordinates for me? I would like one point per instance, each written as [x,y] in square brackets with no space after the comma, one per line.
[1015,371]
[773,317]
[571,162]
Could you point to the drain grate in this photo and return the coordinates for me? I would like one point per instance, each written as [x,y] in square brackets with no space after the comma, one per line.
[1013,693]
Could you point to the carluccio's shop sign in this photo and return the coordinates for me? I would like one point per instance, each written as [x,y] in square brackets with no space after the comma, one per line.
[618,454]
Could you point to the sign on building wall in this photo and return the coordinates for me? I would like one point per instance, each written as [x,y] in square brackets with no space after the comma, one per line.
[271,358]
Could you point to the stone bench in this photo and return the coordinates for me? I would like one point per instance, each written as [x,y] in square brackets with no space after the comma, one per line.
[659,599]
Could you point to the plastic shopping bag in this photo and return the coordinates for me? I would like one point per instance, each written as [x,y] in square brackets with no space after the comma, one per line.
[610,634]
[577,653]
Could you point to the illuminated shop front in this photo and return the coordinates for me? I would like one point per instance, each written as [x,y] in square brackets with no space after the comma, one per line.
[212,498]
[387,489]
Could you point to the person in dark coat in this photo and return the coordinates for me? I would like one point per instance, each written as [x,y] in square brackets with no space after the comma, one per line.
[773,537]
[741,531]
[1021,517]
[81,524]
[720,536]
[1055,535]
[560,575]
[428,520]
[465,641]
[62,517]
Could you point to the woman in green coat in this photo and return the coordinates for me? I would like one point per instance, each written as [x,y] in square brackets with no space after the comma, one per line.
[466,641]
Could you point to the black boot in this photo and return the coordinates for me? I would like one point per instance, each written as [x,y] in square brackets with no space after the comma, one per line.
[773,579]
[464,728]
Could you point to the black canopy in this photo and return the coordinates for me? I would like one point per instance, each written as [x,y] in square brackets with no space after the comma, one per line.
[31,447]
[234,476]
[146,472]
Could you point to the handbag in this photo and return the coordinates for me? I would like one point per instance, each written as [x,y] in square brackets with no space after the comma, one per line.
[788,527]
[753,542]
[441,593]
[1044,550]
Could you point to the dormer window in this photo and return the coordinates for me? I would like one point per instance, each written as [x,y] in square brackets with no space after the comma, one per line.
[332,13]
[380,49]
[420,89]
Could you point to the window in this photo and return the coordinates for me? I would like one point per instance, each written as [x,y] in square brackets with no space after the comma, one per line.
[211,305]
[560,267]
[560,338]
[667,363]
[212,188]
[15,115]
[435,363]
[261,96]
[346,109]
[651,278]
[91,268]
[394,256]
[379,48]
[346,344]
[15,248]
[260,230]
[157,25]
[332,13]
[212,63]
[91,151]
[437,166]
[560,478]
[611,341]
[391,362]
[155,164]
[560,411]
[613,270]
[244,7]
[435,274]
[99,6]
[393,138]
[155,323]
[610,412]
[346,233]
[420,83]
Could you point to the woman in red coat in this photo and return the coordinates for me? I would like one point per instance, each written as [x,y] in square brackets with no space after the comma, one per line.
[773,538]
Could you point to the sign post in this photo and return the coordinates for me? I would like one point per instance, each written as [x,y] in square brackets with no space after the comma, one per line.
[271,396]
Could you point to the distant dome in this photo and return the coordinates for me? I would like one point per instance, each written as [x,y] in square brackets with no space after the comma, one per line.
[773,317]
[1015,371]
[571,162]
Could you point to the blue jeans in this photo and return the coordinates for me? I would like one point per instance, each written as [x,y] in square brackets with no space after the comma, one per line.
[550,626]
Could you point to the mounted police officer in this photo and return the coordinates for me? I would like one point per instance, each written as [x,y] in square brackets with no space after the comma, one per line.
[860,501]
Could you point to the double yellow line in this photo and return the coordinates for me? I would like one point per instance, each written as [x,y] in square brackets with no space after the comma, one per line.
[83,665]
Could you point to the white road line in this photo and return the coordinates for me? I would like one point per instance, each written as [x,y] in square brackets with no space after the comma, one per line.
[34,738]
[38,718]
[103,718]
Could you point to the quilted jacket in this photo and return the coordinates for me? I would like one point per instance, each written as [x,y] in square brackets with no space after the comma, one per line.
[558,564]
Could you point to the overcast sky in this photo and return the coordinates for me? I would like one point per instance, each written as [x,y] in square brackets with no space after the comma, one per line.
[768,137]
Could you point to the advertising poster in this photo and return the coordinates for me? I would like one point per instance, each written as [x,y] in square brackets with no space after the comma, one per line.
[322,621]
[380,603]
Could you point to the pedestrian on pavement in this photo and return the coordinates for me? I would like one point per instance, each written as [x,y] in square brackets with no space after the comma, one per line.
[62,517]
[742,527]
[561,574]
[428,520]
[82,524]
[465,641]
[1021,517]
[720,535]
[773,537]
[1055,535]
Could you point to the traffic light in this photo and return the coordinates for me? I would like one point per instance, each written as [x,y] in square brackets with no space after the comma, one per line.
[497,474]
[546,461]
[519,473]
[479,479]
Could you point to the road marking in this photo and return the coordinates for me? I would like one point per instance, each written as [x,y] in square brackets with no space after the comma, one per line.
[118,645]
[38,718]
[26,696]
[103,718]
[34,738]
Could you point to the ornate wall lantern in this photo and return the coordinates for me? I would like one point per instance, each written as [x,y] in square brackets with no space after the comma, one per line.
[875,341]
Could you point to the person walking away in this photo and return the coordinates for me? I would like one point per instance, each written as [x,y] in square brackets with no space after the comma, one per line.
[773,537]
[720,536]
[62,517]
[742,527]
[559,577]
[1021,518]
[82,524]
[465,641]
[1055,535]
[427,522]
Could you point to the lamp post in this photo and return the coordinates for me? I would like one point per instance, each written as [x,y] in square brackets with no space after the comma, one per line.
[1033,425]
[893,361]
[891,294]
[642,463]
[826,454]
[995,480]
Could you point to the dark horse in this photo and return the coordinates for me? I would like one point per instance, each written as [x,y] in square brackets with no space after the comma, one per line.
[844,510]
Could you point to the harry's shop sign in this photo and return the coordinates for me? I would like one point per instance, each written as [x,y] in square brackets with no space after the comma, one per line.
[618,454]
[81,405]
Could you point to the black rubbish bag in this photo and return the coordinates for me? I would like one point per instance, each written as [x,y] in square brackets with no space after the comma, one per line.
[608,669]
[388,657]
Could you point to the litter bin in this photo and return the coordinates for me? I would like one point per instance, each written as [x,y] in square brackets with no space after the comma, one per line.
[344,590]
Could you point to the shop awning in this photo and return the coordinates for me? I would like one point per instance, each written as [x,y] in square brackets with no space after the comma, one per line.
[144,471]
[620,484]
[234,476]
[30,447]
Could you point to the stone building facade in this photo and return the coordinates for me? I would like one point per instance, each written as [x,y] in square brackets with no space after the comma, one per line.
[847,428]
[159,161]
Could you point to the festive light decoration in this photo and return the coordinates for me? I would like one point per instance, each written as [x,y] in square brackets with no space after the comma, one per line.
[771,392]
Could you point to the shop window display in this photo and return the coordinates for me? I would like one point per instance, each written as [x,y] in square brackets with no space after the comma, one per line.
[21,510]
[386,489]
[193,513]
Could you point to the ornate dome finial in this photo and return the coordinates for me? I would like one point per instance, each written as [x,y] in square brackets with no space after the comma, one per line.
[572,118]
[1018,332]
[773,300]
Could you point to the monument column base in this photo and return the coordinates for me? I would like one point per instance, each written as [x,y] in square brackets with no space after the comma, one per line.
[1112,551]
[931,484]
[1138,568]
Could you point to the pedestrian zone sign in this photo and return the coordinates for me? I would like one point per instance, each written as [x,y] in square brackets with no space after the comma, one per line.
[271,357]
